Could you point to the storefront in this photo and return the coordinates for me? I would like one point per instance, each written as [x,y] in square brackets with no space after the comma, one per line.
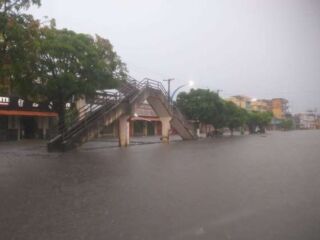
[145,122]
[22,119]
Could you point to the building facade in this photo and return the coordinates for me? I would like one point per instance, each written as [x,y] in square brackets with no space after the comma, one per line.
[22,119]
[241,101]
[308,120]
[279,107]
[145,122]
[261,105]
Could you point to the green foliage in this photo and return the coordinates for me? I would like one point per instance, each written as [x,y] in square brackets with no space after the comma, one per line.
[44,63]
[207,107]
[13,6]
[73,65]
[200,104]
[18,46]
[116,67]
[235,116]
[258,119]
[286,124]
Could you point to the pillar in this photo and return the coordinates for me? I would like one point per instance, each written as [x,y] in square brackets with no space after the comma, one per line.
[124,131]
[165,122]
[155,125]
[80,103]
[131,128]
[145,128]
[18,122]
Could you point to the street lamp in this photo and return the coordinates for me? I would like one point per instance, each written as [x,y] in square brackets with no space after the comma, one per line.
[190,84]
[169,85]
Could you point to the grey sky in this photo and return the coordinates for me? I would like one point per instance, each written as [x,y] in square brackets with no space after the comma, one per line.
[259,48]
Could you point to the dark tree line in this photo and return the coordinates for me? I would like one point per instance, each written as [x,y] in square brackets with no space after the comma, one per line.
[207,107]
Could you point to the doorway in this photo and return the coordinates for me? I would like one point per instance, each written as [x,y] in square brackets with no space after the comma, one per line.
[29,126]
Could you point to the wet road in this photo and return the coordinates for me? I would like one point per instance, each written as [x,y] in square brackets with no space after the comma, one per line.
[249,187]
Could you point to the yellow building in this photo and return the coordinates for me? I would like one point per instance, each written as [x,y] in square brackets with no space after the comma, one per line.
[241,101]
[278,106]
[261,105]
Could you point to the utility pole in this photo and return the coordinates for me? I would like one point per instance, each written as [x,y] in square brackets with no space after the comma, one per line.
[169,83]
[218,91]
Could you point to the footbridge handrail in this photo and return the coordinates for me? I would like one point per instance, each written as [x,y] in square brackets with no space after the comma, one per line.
[106,101]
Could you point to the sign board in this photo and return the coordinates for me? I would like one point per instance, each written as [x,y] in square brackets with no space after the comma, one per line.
[16,103]
[4,101]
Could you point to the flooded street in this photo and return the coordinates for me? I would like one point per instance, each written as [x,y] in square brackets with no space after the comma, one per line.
[242,187]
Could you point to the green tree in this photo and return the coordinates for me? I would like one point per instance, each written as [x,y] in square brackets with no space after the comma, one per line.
[74,65]
[235,116]
[202,105]
[18,46]
[198,104]
[286,124]
[258,119]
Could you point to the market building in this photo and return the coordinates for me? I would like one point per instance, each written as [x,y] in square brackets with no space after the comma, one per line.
[145,122]
[23,119]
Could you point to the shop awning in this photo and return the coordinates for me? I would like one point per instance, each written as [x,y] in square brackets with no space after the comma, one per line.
[27,113]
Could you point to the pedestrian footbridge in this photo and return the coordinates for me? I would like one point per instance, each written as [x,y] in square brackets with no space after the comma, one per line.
[107,108]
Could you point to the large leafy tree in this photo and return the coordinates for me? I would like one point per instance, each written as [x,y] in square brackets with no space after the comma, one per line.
[198,104]
[235,116]
[258,120]
[18,46]
[73,65]
[203,105]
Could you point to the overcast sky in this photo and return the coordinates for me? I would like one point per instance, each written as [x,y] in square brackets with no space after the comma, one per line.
[258,48]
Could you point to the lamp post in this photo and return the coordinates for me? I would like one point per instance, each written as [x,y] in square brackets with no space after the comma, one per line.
[169,84]
[171,96]
[190,84]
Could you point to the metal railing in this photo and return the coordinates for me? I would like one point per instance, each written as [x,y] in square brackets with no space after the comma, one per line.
[88,113]
[106,101]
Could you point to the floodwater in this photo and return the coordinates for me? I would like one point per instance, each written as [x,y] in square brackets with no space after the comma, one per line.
[243,187]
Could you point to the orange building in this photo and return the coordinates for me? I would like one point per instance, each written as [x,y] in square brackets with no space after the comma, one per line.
[279,107]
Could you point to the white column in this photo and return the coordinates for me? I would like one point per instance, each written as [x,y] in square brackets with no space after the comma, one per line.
[81,102]
[165,122]
[124,131]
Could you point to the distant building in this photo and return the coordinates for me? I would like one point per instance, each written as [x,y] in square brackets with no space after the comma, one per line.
[318,122]
[308,120]
[279,107]
[241,101]
[261,105]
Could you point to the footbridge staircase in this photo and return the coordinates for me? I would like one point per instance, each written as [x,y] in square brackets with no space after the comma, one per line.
[108,107]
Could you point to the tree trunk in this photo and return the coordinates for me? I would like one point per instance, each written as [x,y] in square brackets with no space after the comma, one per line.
[60,108]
